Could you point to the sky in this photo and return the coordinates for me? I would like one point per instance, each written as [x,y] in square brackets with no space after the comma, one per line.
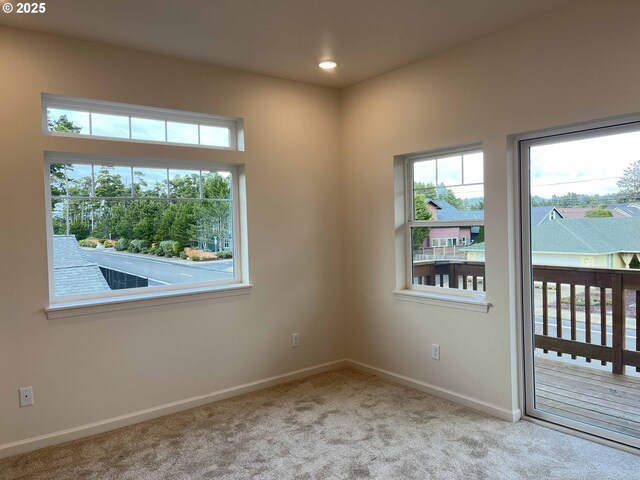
[590,166]
[117,126]
[463,174]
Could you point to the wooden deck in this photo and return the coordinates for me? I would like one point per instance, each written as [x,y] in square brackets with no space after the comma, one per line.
[588,395]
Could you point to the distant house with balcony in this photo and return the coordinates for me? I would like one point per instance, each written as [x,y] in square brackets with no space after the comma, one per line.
[610,242]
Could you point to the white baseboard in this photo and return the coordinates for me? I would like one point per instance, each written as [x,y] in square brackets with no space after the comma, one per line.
[476,404]
[33,443]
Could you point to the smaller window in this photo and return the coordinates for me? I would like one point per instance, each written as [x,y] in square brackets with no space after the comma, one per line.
[117,121]
[445,220]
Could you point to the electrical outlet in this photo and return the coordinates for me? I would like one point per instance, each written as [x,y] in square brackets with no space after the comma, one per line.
[26,396]
[435,351]
[295,340]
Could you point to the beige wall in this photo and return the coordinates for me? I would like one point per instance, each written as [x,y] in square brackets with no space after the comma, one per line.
[575,65]
[92,368]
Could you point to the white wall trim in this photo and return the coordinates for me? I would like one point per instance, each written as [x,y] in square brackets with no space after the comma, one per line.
[41,441]
[476,404]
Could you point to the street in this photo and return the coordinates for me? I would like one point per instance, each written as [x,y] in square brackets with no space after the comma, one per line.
[161,271]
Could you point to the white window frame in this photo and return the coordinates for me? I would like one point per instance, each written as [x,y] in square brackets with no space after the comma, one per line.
[235,125]
[72,305]
[449,297]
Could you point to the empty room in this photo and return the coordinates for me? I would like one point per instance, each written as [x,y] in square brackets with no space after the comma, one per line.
[320,239]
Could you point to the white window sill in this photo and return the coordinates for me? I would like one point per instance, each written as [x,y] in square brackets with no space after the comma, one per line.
[475,303]
[113,304]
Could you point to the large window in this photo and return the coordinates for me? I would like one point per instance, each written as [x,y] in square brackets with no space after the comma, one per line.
[445,220]
[116,121]
[118,226]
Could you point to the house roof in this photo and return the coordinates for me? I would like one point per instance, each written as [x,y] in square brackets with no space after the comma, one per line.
[573,212]
[73,274]
[446,211]
[625,209]
[540,213]
[591,236]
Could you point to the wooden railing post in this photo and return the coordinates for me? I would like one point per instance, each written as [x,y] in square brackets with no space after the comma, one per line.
[453,276]
[618,323]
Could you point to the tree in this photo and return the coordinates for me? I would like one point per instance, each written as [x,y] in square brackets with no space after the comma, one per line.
[57,170]
[629,183]
[79,228]
[109,184]
[598,212]
[422,212]
[63,124]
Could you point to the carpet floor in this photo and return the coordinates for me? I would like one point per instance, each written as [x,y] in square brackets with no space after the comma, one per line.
[343,424]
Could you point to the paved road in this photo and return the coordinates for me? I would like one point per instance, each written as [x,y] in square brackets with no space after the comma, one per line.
[161,271]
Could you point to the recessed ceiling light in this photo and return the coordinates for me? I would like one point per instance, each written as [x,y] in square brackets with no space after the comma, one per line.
[327,64]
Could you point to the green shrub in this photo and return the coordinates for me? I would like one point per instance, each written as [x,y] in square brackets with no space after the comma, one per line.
[132,248]
[176,249]
[184,255]
[167,247]
[140,244]
[107,244]
[144,250]
[87,243]
[122,244]
[225,254]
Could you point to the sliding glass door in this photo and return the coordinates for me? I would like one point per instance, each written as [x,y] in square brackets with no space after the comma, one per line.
[580,225]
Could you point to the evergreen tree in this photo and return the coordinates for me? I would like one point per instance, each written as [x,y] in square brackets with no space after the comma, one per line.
[629,184]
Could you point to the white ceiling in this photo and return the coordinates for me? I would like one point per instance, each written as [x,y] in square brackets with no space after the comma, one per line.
[286,38]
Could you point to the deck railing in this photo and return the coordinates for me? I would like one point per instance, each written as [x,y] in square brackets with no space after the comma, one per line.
[570,296]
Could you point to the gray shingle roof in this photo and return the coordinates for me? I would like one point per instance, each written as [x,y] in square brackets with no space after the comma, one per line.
[588,235]
[591,236]
[72,273]
[626,209]
[446,211]
[539,214]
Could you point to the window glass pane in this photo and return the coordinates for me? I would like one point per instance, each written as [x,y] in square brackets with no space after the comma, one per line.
[467,198]
[216,185]
[182,133]
[150,182]
[424,173]
[112,181]
[216,136]
[68,121]
[79,180]
[104,125]
[146,129]
[106,245]
[450,170]
[473,167]
[448,199]
[448,257]
[184,183]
